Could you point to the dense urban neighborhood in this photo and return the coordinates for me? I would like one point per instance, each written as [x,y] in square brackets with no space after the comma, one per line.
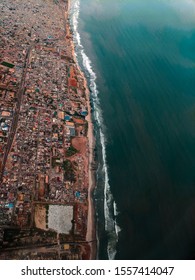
[44,142]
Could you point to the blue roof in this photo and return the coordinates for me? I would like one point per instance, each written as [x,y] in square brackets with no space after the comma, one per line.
[67,118]
[84,113]
[77,194]
[72,131]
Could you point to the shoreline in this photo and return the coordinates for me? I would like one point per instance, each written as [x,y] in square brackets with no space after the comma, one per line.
[91,226]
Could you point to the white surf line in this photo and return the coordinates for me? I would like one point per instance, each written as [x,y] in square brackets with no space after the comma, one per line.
[110,225]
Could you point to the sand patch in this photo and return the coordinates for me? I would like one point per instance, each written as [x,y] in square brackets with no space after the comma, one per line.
[40,216]
[80,143]
[79,121]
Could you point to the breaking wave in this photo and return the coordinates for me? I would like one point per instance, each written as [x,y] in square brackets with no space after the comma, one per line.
[110,210]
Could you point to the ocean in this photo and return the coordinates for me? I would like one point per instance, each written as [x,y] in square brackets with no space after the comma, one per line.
[139,59]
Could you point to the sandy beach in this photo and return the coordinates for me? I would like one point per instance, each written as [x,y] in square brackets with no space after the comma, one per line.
[91,228]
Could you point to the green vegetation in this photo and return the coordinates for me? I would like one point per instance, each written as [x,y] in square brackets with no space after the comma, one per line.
[69,173]
[54,114]
[74,89]
[32,109]
[47,207]
[54,162]
[7,64]
[71,151]
[55,127]
[86,128]
[47,212]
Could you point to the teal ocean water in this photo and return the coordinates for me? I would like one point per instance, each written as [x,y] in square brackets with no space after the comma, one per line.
[143,54]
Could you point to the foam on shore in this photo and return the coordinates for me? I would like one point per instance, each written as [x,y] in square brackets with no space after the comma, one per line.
[109,204]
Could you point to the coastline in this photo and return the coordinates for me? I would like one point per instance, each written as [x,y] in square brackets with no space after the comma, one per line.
[91,226]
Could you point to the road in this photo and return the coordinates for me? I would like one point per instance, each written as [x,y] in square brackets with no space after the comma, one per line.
[16,113]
